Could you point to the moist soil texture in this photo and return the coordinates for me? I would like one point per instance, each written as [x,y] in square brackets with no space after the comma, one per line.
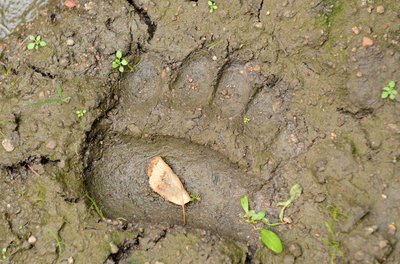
[249,99]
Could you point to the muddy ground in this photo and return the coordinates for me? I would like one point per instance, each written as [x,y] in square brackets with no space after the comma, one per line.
[248,100]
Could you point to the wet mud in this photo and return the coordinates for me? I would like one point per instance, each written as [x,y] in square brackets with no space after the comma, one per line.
[248,100]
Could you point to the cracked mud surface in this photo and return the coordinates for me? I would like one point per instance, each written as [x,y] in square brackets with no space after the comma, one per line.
[296,71]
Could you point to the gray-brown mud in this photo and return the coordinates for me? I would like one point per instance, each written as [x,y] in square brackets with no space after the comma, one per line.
[250,99]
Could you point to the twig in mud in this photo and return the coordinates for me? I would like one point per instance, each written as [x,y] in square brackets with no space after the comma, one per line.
[33,171]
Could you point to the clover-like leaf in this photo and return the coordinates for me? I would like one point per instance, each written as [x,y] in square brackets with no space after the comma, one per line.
[31,37]
[271,241]
[124,62]
[31,46]
[384,95]
[386,88]
[115,64]
[118,54]
[121,68]
[392,84]
[43,43]
[38,37]
[392,96]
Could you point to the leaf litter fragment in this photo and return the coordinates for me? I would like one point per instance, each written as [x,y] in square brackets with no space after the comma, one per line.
[166,183]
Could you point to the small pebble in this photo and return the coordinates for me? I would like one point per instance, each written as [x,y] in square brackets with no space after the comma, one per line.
[214,58]
[32,240]
[359,74]
[384,196]
[70,260]
[7,145]
[367,42]
[371,229]
[287,220]
[380,9]
[355,30]
[258,25]
[383,243]
[392,229]
[70,42]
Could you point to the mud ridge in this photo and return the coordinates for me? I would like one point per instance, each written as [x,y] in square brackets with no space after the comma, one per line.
[151,25]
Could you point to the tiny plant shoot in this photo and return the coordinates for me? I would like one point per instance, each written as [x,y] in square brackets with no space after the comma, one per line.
[195,197]
[58,99]
[389,91]
[295,192]
[36,42]
[268,237]
[120,62]
[212,6]
[80,113]
[246,120]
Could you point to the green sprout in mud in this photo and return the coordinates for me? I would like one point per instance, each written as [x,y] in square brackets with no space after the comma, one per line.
[80,113]
[4,253]
[246,120]
[58,99]
[268,237]
[120,62]
[332,242]
[195,197]
[389,91]
[295,192]
[36,42]
[212,6]
[94,205]
[58,242]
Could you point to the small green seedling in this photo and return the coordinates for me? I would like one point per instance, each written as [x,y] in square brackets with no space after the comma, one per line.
[212,6]
[389,91]
[120,62]
[59,98]
[4,253]
[80,113]
[335,212]
[36,42]
[246,120]
[94,205]
[271,240]
[332,242]
[268,237]
[58,242]
[295,192]
[195,198]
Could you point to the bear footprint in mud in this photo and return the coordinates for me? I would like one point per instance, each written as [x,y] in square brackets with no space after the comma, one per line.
[204,154]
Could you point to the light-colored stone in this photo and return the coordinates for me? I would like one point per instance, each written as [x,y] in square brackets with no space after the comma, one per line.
[70,42]
[7,145]
[380,9]
[367,42]
[32,240]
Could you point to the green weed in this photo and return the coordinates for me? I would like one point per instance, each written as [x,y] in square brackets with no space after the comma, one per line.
[36,42]
[121,64]
[295,192]
[268,237]
[80,113]
[389,91]
[58,242]
[58,99]
[195,197]
[212,6]
[332,242]
[246,120]
[94,205]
